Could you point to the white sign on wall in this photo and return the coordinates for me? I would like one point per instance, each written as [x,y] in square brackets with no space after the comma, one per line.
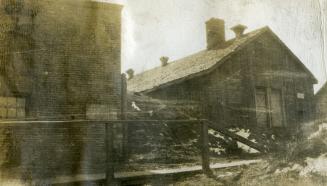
[300,95]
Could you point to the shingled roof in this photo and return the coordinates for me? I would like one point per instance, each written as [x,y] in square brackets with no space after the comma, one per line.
[190,66]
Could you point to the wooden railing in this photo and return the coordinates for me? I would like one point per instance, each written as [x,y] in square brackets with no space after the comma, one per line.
[109,138]
[204,135]
[110,164]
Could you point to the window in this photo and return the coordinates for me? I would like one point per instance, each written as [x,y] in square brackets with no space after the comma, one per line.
[12,108]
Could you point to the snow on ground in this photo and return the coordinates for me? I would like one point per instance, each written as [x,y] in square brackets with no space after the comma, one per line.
[216,134]
[135,106]
[245,134]
[316,166]
[322,128]
[11,183]
[241,132]
[218,150]
[295,167]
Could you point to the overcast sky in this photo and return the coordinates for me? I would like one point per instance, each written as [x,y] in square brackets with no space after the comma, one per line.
[175,28]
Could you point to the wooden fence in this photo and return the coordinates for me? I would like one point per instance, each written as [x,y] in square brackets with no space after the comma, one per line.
[109,138]
[204,135]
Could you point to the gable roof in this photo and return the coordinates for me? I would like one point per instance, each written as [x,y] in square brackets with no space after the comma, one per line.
[194,65]
[322,91]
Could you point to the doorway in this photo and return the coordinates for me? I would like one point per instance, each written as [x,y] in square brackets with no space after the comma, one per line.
[269,107]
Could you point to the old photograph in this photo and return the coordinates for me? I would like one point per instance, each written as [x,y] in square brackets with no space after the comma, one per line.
[163,92]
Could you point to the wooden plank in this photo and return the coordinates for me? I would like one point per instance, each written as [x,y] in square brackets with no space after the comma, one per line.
[15,122]
[205,148]
[236,137]
[150,174]
[110,160]
[123,116]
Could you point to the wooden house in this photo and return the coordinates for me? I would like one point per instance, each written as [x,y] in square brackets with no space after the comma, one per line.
[251,80]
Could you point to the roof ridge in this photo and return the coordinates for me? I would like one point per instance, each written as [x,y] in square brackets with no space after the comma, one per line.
[187,67]
[200,51]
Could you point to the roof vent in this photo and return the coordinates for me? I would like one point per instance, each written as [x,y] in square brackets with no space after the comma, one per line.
[239,30]
[164,61]
[130,73]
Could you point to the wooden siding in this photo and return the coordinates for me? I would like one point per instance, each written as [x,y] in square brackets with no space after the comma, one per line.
[228,96]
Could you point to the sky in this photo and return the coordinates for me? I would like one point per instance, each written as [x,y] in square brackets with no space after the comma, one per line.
[176,28]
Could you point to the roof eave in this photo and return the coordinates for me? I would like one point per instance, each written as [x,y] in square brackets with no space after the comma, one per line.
[204,72]
[313,78]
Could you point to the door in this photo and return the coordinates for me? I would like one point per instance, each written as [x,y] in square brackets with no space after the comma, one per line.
[276,109]
[269,110]
[261,108]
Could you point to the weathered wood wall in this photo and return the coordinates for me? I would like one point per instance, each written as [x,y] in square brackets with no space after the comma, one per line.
[227,94]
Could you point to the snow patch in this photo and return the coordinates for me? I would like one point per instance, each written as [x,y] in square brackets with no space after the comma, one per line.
[135,106]
[295,167]
[245,134]
[11,183]
[225,175]
[216,134]
[218,150]
[315,165]
[322,127]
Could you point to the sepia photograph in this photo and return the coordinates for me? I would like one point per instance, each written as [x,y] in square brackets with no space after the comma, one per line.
[163,93]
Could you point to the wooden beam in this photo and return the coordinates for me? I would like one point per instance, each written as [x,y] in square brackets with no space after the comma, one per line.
[205,148]
[236,137]
[110,158]
[102,121]
[123,116]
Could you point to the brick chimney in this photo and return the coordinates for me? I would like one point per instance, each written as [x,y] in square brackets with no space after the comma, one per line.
[215,33]
[239,30]
[164,61]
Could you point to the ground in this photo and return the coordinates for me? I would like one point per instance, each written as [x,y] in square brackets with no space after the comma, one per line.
[304,163]
[260,174]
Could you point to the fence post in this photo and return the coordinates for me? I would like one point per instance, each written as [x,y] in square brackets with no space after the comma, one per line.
[205,148]
[110,160]
[123,116]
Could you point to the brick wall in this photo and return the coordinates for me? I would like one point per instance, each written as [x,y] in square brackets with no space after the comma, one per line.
[63,57]
[77,58]
[54,149]
[65,63]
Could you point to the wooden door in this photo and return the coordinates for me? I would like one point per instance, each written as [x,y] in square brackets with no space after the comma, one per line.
[276,109]
[261,108]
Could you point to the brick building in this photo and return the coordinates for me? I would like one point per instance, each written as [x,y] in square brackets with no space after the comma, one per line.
[252,80]
[59,60]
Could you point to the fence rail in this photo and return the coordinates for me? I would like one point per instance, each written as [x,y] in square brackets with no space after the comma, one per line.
[109,138]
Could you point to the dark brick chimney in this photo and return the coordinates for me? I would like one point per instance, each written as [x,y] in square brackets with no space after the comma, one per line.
[215,33]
